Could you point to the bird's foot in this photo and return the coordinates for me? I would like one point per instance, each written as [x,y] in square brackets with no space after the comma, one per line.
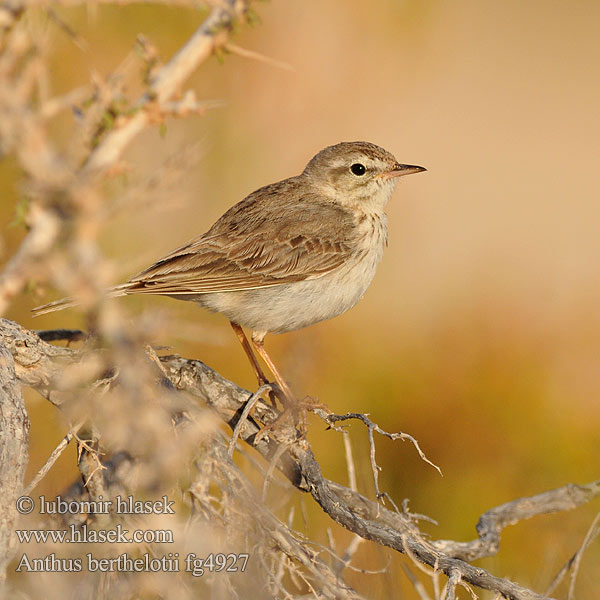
[283,429]
[313,405]
[273,393]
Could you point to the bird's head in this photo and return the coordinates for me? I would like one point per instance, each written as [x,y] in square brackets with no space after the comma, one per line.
[357,174]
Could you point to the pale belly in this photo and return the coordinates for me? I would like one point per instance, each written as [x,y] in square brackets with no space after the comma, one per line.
[292,306]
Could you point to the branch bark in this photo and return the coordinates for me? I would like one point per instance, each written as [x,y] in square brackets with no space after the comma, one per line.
[36,364]
[14,453]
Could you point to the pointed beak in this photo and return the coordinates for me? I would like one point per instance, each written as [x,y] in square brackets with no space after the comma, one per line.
[400,170]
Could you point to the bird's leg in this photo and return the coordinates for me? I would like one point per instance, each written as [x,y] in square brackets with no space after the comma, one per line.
[259,345]
[291,405]
[262,380]
[260,376]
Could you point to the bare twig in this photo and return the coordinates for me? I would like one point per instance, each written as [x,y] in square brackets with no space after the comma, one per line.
[234,49]
[371,427]
[592,533]
[329,584]
[356,540]
[45,227]
[254,398]
[88,460]
[279,452]
[453,581]
[350,462]
[493,521]
[419,587]
[168,81]
[52,458]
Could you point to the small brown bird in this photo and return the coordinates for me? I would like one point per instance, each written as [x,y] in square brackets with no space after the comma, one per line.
[290,254]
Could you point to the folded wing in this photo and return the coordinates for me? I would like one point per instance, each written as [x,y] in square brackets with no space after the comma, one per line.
[267,246]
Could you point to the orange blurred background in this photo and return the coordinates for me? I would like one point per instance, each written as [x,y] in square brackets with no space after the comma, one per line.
[480,334]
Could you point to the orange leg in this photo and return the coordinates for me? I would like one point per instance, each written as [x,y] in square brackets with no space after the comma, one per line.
[248,350]
[258,342]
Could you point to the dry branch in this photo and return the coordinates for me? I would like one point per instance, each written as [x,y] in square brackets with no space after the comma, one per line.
[350,509]
[168,81]
[330,585]
[23,129]
[492,522]
[14,453]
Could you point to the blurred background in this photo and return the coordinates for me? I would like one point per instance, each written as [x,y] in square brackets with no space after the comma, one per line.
[480,335]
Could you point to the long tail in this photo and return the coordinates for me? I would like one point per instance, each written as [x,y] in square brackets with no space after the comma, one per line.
[119,290]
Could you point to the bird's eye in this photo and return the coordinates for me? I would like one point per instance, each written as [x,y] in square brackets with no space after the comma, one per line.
[358,169]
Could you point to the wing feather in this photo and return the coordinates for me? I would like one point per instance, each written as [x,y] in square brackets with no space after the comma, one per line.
[257,243]
[279,234]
